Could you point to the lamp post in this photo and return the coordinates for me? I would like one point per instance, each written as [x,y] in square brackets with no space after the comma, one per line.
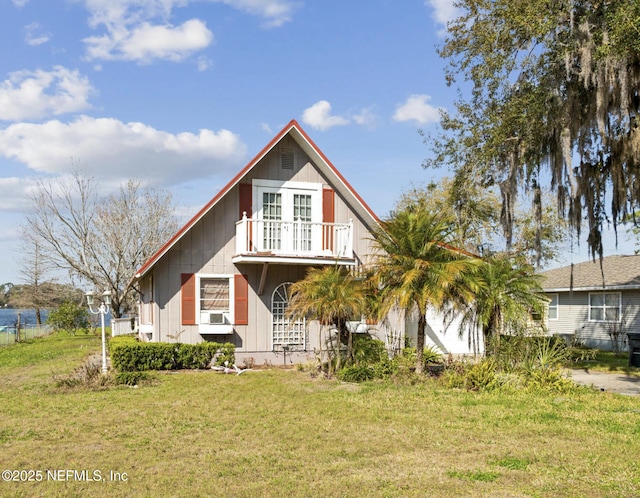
[103,309]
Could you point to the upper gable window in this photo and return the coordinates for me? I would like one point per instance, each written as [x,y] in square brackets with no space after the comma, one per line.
[286,158]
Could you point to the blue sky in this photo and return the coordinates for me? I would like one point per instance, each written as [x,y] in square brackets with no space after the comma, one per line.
[182,93]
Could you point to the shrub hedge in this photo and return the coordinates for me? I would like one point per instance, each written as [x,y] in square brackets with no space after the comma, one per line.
[128,356]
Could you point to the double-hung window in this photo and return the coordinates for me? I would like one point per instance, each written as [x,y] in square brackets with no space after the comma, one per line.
[604,307]
[214,301]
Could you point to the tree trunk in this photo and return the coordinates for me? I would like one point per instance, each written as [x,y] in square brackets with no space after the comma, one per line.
[422,326]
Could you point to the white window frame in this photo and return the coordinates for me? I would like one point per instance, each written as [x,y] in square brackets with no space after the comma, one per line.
[605,306]
[298,327]
[288,189]
[204,325]
[552,306]
[315,189]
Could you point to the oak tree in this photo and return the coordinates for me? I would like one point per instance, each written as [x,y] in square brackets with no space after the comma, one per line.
[549,95]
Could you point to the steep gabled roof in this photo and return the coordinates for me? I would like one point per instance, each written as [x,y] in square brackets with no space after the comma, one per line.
[618,272]
[293,130]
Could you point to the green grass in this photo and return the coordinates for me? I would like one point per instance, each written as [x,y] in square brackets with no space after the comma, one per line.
[7,339]
[603,361]
[282,433]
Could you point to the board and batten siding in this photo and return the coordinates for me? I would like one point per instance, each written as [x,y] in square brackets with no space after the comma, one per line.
[209,246]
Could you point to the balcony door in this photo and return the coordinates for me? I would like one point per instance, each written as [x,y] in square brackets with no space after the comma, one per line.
[289,218]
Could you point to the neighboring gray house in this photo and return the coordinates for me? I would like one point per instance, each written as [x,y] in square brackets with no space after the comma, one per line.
[596,302]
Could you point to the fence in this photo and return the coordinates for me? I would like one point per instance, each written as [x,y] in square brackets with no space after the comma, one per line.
[9,334]
[122,326]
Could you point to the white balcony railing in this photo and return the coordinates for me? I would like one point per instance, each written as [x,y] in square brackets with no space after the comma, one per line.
[294,238]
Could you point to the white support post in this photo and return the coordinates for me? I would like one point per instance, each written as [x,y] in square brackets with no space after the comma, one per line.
[242,237]
[349,249]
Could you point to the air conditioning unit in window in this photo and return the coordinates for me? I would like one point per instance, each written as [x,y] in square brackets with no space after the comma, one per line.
[217,318]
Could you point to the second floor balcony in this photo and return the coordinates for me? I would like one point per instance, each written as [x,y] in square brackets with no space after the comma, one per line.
[273,241]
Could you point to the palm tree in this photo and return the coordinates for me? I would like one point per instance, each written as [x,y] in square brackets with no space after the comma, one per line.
[332,295]
[416,267]
[512,294]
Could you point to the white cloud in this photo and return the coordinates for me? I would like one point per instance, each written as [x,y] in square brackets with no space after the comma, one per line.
[365,117]
[20,3]
[127,12]
[204,63]
[113,150]
[117,13]
[274,12]
[265,127]
[140,29]
[443,10]
[319,117]
[13,193]
[147,42]
[416,108]
[37,94]
[34,34]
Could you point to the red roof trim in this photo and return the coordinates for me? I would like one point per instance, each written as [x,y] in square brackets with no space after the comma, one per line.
[292,124]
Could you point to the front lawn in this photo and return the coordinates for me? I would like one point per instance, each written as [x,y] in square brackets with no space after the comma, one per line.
[283,433]
[602,361]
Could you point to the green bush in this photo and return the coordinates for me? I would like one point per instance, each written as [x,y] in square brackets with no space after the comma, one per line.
[132,378]
[549,379]
[519,362]
[481,376]
[529,352]
[226,354]
[69,316]
[129,356]
[357,373]
[368,350]
[430,356]
[371,361]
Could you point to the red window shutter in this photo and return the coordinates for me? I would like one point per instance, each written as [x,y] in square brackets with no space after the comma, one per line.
[241,299]
[188,298]
[245,194]
[328,216]
[328,208]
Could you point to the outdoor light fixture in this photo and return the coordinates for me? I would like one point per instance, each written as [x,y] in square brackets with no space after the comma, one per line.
[102,310]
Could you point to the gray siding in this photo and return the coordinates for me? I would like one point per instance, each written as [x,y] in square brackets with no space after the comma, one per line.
[573,318]
[208,247]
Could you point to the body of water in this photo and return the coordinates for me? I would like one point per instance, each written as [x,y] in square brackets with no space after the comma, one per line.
[9,317]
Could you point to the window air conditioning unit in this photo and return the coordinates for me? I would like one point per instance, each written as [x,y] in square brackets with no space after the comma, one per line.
[217,318]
